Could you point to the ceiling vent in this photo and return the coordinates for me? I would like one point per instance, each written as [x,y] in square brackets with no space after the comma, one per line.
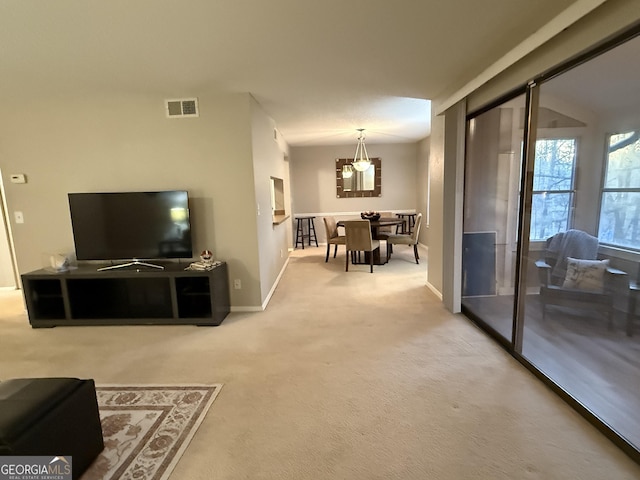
[182,108]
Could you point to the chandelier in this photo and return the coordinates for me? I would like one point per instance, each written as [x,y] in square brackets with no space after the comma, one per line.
[361,160]
[347,171]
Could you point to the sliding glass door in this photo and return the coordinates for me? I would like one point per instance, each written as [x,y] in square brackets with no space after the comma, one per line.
[551,247]
[585,250]
[491,199]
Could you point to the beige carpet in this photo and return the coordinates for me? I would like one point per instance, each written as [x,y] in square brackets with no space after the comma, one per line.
[344,376]
[146,429]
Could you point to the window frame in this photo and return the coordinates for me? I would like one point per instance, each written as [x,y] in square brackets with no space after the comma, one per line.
[572,191]
[604,189]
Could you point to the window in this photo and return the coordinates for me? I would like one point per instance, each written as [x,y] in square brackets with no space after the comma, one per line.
[553,187]
[620,209]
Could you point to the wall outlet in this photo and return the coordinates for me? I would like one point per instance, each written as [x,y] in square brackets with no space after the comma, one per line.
[19,217]
[237,284]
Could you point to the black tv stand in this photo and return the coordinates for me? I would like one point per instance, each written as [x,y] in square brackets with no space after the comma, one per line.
[172,296]
[132,263]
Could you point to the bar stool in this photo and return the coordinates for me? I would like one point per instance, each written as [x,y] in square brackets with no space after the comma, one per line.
[310,232]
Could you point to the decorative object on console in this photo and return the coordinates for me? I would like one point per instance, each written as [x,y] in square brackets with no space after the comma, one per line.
[204,265]
[370,215]
[58,262]
[206,262]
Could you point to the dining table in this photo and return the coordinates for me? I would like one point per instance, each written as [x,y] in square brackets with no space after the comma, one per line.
[378,259]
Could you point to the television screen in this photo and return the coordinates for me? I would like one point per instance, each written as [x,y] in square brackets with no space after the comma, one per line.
[131,225]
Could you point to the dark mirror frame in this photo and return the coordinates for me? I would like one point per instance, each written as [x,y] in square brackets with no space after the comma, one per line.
[376,192]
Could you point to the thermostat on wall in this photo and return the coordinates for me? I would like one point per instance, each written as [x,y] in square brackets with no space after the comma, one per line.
[18,178]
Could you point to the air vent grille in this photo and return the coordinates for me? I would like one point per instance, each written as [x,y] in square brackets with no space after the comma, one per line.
[181,108]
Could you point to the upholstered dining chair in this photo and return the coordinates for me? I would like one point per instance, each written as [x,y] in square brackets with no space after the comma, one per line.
[333,237]
[358,235]
[403,239]
[386,230]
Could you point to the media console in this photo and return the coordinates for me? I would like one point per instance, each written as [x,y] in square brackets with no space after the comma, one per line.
[84,296]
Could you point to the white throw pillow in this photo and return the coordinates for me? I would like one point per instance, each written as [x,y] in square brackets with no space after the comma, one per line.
[585,274]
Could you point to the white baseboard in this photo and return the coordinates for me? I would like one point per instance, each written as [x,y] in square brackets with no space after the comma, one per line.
[435,291]
[275,284]
[266,300]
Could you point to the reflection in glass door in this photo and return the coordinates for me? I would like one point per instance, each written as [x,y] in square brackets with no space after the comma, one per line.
[584,242]
[492,175]
[553,250]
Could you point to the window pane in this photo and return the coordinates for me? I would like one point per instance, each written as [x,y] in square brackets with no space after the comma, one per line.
[623,168]
[620,219]
[554,163]
[549,214]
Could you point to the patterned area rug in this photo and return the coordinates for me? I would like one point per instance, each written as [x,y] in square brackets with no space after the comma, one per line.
[147,429]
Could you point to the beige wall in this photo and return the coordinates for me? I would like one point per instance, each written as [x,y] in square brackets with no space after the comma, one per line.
[7,277]
[436,203]
[422,188]
[268,161]
[313,180]
[119,142]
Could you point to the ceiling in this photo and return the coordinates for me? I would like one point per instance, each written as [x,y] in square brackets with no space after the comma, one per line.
[320,69]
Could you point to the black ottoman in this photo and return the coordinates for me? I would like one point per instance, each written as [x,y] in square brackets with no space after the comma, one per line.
[51,416]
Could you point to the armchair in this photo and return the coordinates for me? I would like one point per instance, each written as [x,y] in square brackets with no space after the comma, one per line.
[571,275]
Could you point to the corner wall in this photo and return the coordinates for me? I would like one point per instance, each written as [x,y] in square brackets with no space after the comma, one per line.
[268,161]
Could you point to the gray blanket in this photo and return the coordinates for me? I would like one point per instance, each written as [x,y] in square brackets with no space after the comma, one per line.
[572,243]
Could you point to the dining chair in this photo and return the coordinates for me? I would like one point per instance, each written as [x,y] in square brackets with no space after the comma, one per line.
[358,239]
[403,239]
[385,231]
[333,237]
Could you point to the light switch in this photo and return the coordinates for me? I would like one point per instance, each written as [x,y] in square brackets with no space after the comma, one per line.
[19,217]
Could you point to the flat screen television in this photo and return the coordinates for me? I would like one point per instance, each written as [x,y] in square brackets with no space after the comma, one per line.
[131,225]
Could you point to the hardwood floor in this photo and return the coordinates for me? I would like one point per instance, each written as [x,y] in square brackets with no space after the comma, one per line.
[599,367]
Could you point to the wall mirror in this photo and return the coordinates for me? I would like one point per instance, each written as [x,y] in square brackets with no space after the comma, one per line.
[360,184]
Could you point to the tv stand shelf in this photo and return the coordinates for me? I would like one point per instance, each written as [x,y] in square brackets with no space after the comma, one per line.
[140,296]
